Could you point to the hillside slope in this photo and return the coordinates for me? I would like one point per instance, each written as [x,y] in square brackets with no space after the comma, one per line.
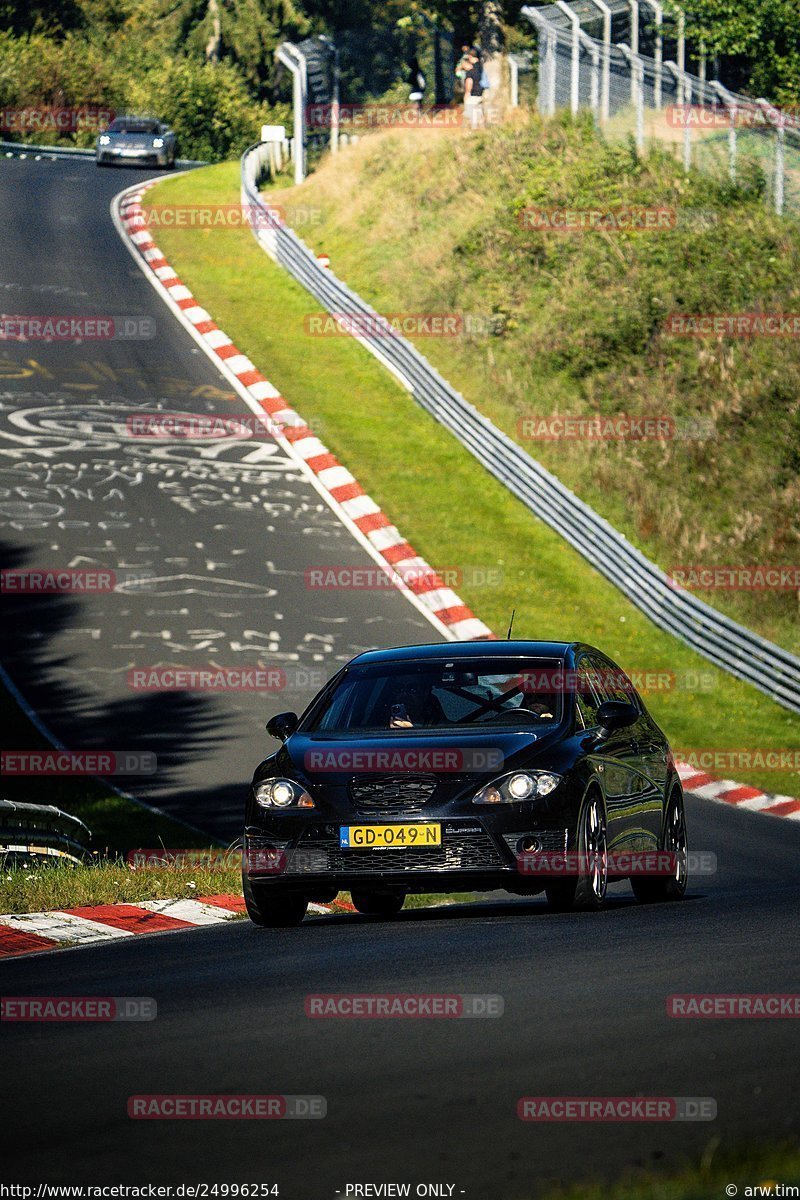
[577,325]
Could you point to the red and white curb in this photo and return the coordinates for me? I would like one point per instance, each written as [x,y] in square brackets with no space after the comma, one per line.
[727,791]
[32,932]
[359,512]
[411,574]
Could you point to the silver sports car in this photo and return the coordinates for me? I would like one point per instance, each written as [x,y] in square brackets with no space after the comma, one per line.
[140,140]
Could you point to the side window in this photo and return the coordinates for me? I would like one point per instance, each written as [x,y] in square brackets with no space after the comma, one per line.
[588,698]
[619,686]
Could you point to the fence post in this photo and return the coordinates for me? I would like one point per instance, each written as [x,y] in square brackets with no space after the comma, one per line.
[659,49]
[606,91]
[514,71]
[594,86]
[637,74]
[552,67]
[575,68]
[777,118]
[634,7]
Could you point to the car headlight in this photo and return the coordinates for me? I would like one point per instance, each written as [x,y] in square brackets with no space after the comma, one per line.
[521,785]
[282,793]
[158,143]
[104,139]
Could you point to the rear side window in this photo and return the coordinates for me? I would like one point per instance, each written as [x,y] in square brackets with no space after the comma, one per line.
[588,696]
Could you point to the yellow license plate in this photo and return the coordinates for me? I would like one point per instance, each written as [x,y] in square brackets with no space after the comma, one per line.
[388,837]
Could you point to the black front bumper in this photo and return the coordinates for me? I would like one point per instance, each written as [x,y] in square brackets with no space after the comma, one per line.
[470,858]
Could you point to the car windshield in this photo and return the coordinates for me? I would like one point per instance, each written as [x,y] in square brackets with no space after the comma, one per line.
[133,125]
[441,694]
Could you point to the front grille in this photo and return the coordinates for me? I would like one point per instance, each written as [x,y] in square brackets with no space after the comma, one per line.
[392,793]
[464,852]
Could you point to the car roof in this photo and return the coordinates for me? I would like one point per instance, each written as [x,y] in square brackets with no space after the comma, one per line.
[476,649]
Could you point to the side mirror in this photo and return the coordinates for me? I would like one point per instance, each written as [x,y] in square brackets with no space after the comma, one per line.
[282,725]
[616,714]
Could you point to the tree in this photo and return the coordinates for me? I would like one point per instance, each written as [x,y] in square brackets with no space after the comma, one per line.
[762,38]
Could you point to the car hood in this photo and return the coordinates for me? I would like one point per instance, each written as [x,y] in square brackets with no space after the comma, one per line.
[332,761]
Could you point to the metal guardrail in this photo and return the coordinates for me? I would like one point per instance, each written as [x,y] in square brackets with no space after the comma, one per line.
[721,640]
[30,149]
[43,831]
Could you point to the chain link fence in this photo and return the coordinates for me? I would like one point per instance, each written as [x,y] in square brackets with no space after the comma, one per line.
[654,96]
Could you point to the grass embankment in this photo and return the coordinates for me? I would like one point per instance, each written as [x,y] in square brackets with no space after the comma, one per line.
[432,223]
[449,508]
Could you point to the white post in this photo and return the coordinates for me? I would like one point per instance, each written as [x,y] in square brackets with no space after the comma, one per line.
[575,73]
[594,87]
[606,92]
[729,100]
[290,56]
[687,130]
[777,118]
[514,70]
[681,40]
[637,73]
[552,60]
[634,7]
[780,134]
[659,49]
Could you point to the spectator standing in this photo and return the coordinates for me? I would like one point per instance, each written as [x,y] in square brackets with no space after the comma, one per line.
[474,88]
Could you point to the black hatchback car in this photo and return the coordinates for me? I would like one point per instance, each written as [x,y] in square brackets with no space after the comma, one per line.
[466,766]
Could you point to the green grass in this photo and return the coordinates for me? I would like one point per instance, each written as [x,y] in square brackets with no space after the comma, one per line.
[745,1169]
[451,510]
[42,888]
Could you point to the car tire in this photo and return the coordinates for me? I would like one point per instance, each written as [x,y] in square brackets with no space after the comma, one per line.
[586,891]
[272,909]
[660,888]
[378,904]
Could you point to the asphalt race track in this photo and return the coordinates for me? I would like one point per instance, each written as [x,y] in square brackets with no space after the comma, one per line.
[209,541]
[417,1101]
[422,1100]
